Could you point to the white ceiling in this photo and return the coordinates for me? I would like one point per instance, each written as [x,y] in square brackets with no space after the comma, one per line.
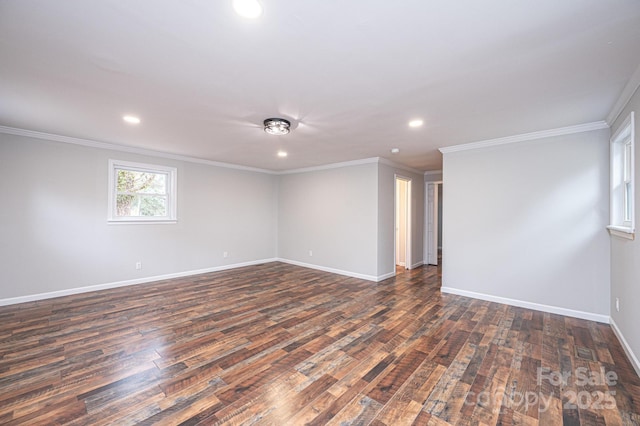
[348,74]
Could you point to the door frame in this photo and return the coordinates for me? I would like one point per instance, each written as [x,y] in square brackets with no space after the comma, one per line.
[431,220]
[408,255]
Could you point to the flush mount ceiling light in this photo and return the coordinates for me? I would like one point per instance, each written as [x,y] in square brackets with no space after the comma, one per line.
[276,126]
[416,123]
[282,154]
[250,9]
[395,150]
[131,119]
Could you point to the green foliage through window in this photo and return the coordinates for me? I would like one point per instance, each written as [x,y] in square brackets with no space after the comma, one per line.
[141,193]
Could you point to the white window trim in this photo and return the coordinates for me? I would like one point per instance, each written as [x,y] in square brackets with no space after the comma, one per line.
[623,229]
[172,200]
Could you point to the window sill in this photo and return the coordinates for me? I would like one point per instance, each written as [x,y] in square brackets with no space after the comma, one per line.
[621,232]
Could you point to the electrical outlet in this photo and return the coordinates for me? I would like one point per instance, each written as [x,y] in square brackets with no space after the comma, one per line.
[225,254]
[138,265]
[617,304]
[310,253]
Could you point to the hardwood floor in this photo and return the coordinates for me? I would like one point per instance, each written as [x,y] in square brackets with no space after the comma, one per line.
[279,344]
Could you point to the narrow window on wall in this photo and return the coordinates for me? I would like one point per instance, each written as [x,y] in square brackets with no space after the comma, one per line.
[628,182]
[141,192]
[622,211]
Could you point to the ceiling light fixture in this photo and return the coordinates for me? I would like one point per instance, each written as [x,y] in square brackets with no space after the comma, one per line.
[250,9]
[395,150]
[416,123]
[276,126]
[131,119]
[282,154]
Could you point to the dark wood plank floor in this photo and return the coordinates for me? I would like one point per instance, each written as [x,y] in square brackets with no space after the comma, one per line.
[279,344]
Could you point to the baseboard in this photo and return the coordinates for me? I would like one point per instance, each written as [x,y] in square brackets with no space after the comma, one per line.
[625,345]
[416,265]
[337,271]
[529,305]
[78,290]
[386,276]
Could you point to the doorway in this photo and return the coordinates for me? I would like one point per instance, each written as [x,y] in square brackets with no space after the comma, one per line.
[402,222]
[433,222]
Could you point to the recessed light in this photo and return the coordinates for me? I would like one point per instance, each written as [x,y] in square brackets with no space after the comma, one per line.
[282,154]
[416,123]
[250,9]
[131,119]
[395,151]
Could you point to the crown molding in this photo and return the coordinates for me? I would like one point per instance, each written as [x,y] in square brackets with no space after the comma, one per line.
[432,172]
[143,151]
[114,147]
[329,166]
[597,125]
[378,160]
[629,89]
[391,163]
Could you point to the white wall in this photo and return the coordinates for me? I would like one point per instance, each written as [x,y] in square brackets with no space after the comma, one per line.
[53,226]
[386,233]
[434,176]
[56,239]
[625,256]
[526,222]
[334,214]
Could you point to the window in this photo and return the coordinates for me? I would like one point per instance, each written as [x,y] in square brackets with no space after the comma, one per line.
[622,185]
[141,192]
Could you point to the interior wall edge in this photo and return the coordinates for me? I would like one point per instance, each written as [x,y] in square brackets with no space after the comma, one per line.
[373,278]
[591,316]
[52,137]
[625,345]
[106,286]
[627,93]
[526,137]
